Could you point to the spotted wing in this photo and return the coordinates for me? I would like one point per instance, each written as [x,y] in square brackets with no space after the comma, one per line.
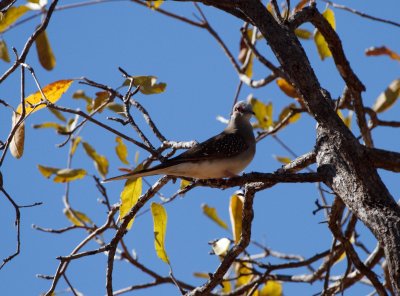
[222,145]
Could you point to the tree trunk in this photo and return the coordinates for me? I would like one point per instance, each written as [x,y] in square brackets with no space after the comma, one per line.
[340,156]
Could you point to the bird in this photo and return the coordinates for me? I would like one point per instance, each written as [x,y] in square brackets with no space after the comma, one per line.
[222,156]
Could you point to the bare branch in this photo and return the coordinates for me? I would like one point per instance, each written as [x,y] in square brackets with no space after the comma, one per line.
[362,14]
[247,218]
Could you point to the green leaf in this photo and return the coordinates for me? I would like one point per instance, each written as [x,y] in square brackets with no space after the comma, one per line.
[77,218]
[100,161]
[221,246]
[235,213]
[52,91]
[148,85]
[388,97]
[121,150]
[11,16]
[44,51]
[322,46]
[263,113]
[129,196]
[160,220]
[4,52]
[18,140]
[211,213]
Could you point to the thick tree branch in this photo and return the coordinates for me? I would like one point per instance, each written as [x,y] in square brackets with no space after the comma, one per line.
[383,159]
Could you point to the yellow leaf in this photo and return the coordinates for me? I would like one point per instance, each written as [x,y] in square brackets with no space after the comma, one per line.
[53,93]
[44,51]
[58,114]
[160,219]
[287,88]
[383,50]
[244,274]
[101,97]
[322,46]
[147,84]
[286,111]
[129,196]
[243,52]
[136,156]
[282,159]
[271,288]
[303,34]
[343,255]
[154,4]
[80,94]
[235,213]
[221,246]
[300,5]
[115,107]
[347,119]
[47,171]
[388,97]
[226,287]
[184,183]
[18,140]
[12,14]
[74,145]
[201,275]
[77,218]
[263,113]
[121,150]
[213,215]
[249,68]
[100,161]
[68,175]
[58,127]
[62,175]
[4,51]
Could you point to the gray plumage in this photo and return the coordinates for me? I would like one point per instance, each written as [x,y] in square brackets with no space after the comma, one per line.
[224,155]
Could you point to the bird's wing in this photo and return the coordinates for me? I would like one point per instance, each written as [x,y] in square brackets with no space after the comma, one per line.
[223,145]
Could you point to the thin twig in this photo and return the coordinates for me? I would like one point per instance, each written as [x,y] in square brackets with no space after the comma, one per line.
[362,14]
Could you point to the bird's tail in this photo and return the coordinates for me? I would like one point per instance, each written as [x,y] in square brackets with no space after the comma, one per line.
[138,174]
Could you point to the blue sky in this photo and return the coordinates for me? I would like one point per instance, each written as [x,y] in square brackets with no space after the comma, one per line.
[94,41]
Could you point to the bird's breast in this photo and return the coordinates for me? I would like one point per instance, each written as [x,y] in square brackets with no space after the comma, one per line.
[213,169]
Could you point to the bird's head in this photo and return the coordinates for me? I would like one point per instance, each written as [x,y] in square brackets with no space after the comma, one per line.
[243,109]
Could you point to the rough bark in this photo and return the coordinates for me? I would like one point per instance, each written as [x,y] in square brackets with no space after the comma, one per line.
[340,156]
